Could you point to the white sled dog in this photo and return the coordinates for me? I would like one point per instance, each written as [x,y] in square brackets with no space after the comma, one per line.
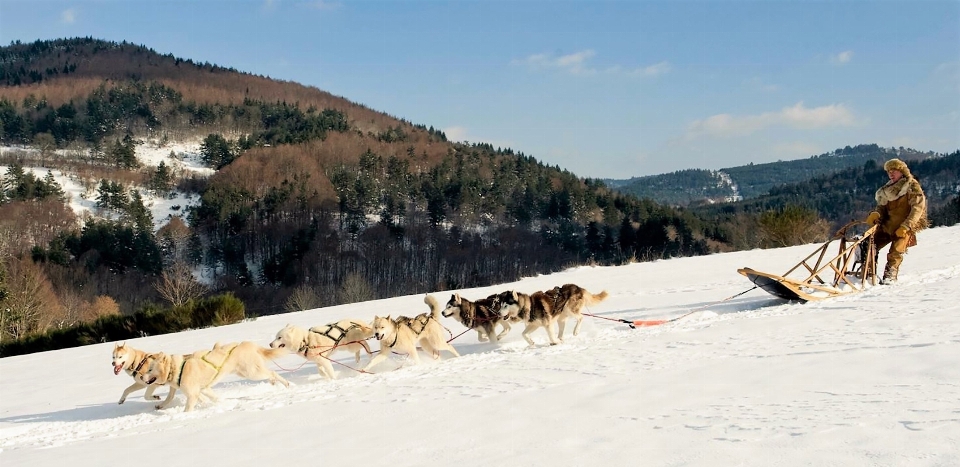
[195,373]
[319,342]
[402,335]
[543,309]
[131,360]
[481,315]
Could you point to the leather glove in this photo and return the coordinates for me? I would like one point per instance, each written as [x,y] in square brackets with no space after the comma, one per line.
[873,218]
[901,232]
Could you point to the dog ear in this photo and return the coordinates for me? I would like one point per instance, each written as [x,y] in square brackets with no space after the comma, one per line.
[513,293]
[456,298]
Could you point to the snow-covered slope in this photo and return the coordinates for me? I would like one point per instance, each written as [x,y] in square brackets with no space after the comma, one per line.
[865,380]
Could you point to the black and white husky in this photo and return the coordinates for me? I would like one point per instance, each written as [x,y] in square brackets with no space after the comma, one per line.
[481,315]
[543,309]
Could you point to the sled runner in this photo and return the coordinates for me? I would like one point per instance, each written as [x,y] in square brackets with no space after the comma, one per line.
[817,276]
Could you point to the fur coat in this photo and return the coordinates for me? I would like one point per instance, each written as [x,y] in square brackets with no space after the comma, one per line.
[902,204]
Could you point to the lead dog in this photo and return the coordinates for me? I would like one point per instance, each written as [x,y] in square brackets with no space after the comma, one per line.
[481,315]
[130,360]
[319,342]
[402,335]
[195,373]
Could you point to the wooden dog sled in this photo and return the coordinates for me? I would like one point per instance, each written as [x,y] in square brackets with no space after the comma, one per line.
[817,276]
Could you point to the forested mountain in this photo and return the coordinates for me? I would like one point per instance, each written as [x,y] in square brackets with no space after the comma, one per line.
[315,200]
[696,186]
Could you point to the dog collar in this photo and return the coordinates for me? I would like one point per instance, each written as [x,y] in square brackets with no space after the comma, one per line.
[396,335]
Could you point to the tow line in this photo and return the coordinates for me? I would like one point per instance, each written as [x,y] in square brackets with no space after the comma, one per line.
[641,323]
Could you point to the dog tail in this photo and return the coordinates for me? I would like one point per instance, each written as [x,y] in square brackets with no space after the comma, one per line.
[271,354]
[592,299]
[434,306]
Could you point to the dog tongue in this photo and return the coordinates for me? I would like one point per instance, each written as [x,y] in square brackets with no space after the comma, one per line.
[117,368]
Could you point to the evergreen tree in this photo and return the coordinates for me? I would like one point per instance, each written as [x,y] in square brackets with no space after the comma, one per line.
[216,151]
[123,153]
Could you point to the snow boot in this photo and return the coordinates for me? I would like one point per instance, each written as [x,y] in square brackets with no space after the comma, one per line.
[889,276]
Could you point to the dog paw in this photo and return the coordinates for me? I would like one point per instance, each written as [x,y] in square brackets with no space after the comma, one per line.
[121,402]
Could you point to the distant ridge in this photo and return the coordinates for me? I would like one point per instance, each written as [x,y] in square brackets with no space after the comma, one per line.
[697,186]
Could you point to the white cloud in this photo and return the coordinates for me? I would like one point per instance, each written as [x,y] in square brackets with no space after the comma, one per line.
[801,117]
[656,69]
[573,63]
[795,117]
[576,60]
[578,63]
[842,57]
[68,16]
[456,133]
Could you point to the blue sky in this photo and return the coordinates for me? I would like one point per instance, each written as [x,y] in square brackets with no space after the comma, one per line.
[610,89]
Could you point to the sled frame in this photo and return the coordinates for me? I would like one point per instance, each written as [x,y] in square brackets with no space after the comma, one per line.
[840,269]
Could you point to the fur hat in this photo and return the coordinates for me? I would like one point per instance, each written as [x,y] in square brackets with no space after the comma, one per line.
[897,164]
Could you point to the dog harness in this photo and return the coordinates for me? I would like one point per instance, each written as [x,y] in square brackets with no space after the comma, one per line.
[421,320]
[136,370]
[328,333]
[417,324]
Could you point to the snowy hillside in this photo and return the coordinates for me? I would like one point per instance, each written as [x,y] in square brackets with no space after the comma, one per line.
[864,380]
[180,157]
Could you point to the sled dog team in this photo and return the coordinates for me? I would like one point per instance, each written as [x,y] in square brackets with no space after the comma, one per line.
[196,373]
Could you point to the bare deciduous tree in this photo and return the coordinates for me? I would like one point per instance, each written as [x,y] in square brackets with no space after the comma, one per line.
[304,297]
[174,237]
[29,304]
[792,225]
[355,289]
[178,286]
[103,305]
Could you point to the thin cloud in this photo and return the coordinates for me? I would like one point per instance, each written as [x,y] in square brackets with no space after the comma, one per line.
[656,69]
[760,84]
[797,117]
[322,5]
[572,63]
[462,135]
[68,16]
[578,63]
[842,57]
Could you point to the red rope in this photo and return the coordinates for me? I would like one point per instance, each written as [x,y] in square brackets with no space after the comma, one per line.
[654,322]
